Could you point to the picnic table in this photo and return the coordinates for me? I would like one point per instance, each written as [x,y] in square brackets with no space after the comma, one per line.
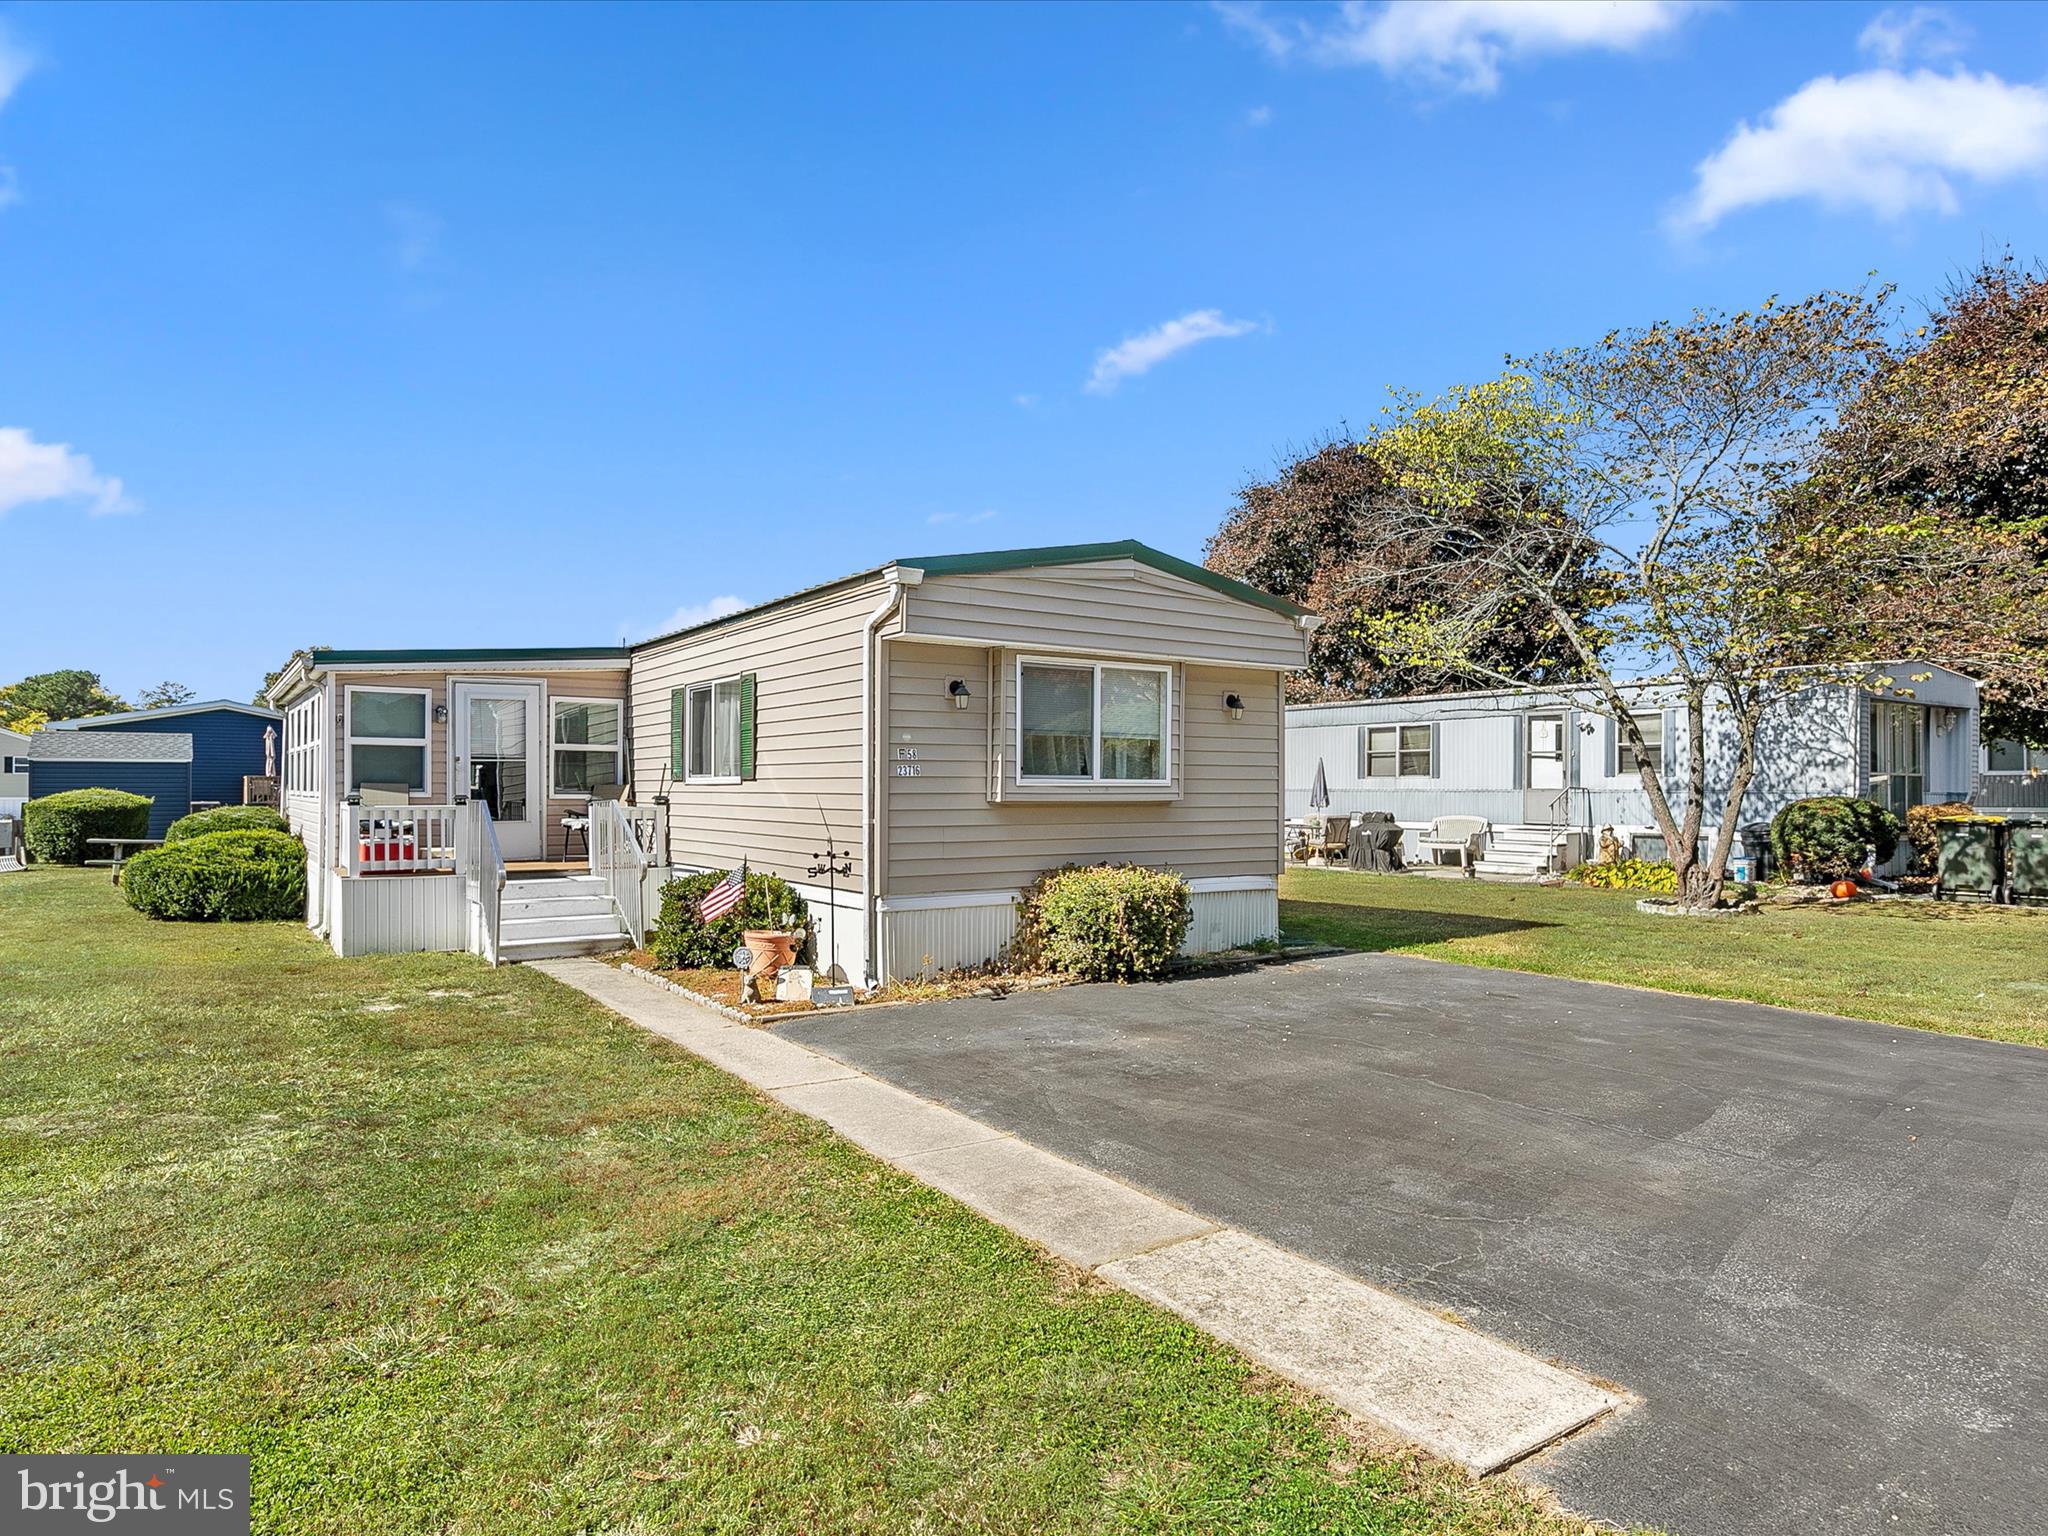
[121,847]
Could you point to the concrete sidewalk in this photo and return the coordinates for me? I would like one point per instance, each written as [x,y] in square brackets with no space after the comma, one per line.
[1454,1392]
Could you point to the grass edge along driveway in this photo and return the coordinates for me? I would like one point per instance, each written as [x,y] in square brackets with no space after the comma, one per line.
[1944,966]
[451,1249]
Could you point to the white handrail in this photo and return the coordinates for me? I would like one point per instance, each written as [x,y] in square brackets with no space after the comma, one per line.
[617,859]
[482,865]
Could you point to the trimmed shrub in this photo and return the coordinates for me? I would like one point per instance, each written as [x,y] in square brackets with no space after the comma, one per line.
[1651,875]
[234,877]
[226,818]
[1112,922]
[57,826]
[1830,837]
[1923,831]
[684,941]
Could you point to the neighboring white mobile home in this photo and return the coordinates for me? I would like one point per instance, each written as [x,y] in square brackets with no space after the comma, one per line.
[1547,769]
[940,730]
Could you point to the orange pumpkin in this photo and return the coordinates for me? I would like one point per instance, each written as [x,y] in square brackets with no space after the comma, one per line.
[1842,890]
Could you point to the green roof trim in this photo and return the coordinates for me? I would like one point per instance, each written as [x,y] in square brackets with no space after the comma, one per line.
[321,658]
[1087,554]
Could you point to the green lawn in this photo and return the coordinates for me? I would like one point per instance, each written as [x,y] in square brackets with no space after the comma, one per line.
[1960,969]
[452,1250]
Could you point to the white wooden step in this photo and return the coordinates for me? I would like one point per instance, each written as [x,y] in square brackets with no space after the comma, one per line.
[557,948]
[554,906]
[576,925]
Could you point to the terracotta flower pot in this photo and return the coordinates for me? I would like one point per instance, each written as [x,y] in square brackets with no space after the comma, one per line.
[771,948]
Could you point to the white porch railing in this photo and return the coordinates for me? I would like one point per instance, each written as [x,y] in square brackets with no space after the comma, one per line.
[481,864]
[398,839]
[618,858]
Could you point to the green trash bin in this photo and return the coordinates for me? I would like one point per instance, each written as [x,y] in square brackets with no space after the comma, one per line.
[2026,844]
[1972,863]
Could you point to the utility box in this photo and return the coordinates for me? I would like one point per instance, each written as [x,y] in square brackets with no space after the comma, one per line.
[2026,844]
[1972,862]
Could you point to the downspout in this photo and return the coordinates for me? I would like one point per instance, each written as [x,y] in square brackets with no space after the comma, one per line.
[899,577]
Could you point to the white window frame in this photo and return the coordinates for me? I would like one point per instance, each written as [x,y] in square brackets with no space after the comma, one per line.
[1367,752]
[690,690]
[302,747]
[424,742]
[1621,743]
[2034,761]
[617,748]
[1094,779]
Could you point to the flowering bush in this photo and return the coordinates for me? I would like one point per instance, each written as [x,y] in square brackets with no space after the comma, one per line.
[1627,875]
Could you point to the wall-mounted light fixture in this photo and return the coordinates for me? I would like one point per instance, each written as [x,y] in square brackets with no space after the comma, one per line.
[958,689]
[440,714]
[1234,702]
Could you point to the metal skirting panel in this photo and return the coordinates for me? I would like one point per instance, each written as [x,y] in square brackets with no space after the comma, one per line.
[929,940]
[1229,919]
[924,941]
[397,914]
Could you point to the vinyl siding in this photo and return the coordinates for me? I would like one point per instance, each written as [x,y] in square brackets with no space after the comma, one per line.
[806,661]
[606,683]
[226,745]
[1118,606]
[943,831]
[168,785]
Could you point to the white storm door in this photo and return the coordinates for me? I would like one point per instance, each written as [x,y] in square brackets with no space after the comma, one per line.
[1546,752]
[501,759]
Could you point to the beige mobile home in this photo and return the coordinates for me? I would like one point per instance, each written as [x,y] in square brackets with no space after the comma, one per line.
[940,730]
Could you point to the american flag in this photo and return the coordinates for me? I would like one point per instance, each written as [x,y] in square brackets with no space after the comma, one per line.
[724,896]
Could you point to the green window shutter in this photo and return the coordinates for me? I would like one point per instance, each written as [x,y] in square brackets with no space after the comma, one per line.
[746,725]
[676,710]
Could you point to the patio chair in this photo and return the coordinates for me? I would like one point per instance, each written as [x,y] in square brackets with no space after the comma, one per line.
[577,823]
[1461,836]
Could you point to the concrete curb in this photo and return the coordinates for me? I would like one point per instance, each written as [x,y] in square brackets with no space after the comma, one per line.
[1458,1394]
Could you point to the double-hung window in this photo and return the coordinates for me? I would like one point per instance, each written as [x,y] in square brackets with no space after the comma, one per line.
[586,745]
[302,747]
[711,752]
[1093,722]
[1626,760]
[387,737]
[1399,751]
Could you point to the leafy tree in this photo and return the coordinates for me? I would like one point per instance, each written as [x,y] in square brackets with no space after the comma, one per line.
[1672,449]
[165,695]
[70,694]
[1311,533]
[1951,431]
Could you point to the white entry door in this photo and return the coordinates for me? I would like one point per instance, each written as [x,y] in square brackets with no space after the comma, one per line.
[501,759]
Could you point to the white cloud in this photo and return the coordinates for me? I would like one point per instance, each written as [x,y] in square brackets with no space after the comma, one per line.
[1258,117]
[1026,402]
[939,518]
[1880,140]
[415,236]
[1457,43]
[690,615]
[1923,32]
[31,471]
[1141,353]
[15,63]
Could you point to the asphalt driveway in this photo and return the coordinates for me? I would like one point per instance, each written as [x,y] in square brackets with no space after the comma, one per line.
[1817,1249]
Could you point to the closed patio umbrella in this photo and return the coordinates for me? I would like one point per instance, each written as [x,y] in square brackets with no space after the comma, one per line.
[1319,792]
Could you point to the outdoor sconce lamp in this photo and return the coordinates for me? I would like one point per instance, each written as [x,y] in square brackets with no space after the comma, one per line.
[958,689]
[440,714]
[1234,702]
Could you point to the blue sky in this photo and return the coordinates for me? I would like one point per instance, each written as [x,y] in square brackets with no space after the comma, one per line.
[408,326]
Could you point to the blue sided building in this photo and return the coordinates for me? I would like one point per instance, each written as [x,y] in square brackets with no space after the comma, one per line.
[227,741]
